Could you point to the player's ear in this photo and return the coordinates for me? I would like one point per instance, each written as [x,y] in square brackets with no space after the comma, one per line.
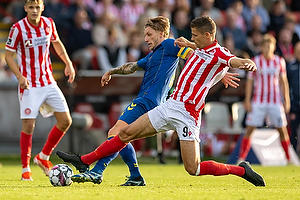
[207,34]
[162,34]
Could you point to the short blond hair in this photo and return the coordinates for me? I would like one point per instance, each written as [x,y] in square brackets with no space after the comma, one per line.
[33,1]
[268,38]
[159,23]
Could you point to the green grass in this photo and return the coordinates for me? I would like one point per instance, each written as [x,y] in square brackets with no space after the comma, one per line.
[168,181]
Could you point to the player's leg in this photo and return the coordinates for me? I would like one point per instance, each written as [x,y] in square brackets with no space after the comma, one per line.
[285,140]
[277,117]
[191,158]
[254,119]
[129,157]
[55,103]
[130,114]
[139,129]
[56,133]
[95,175]
[28,113]
[25,147]
[245,143]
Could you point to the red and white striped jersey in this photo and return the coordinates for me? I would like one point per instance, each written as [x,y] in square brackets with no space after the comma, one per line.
[130,14]
[266,79]
[113,10]
[204,69]
[31,44]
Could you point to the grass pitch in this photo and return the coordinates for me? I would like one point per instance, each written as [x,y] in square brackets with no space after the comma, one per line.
[168,181]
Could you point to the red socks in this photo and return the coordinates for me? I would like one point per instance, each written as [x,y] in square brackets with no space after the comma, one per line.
[25,146]
[285,146]
[219,169]
[26,143]
[105,149]
[245,148]
[54,137]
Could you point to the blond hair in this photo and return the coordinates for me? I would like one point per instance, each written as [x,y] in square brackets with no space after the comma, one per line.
[268,38]
[33,1]
[159,23]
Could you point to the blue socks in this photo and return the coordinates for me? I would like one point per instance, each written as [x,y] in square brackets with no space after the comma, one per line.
[128,156]
[102,163]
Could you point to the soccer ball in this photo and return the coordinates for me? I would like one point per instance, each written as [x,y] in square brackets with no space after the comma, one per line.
[60,175]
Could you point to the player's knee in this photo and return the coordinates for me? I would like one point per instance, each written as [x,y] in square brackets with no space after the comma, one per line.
[113,131]
[125,135]
[190,169]
[64,124]
[28,127]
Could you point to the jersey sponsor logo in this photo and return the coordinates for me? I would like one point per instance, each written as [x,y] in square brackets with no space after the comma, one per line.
[27,111]
[131,106]
[28,43]
[41,41]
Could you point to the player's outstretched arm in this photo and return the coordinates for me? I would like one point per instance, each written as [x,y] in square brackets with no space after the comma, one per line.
[62,53]
[229,80]
[128,68]
[246,64]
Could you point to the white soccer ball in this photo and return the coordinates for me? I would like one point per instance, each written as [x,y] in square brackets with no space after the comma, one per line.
[60,175]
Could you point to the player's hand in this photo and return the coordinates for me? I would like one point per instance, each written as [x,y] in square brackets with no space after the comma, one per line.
[70,72]
[181,42]
[24,83]
[248,67]
[105,79]
[229,79]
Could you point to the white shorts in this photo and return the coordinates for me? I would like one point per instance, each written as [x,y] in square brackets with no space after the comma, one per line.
[273,114]
[172,115]
[47,100]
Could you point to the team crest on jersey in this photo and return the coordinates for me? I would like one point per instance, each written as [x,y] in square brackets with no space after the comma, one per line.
[47,30]
[213,51]
[27,111]
[28,43]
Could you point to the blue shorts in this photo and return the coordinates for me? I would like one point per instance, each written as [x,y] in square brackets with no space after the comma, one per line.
[137,108]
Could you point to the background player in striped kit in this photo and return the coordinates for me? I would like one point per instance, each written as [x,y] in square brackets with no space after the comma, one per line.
[270,80]
[182,111]
[30,39]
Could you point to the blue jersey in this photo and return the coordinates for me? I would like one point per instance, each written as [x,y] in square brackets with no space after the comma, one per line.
[159,66]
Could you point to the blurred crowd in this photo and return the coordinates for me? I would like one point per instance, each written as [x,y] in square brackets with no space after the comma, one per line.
[101,34]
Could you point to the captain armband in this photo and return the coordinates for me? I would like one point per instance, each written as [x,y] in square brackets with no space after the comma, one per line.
[183,52]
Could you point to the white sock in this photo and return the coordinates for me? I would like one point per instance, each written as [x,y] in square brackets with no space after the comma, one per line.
[43,156]
[26,169]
